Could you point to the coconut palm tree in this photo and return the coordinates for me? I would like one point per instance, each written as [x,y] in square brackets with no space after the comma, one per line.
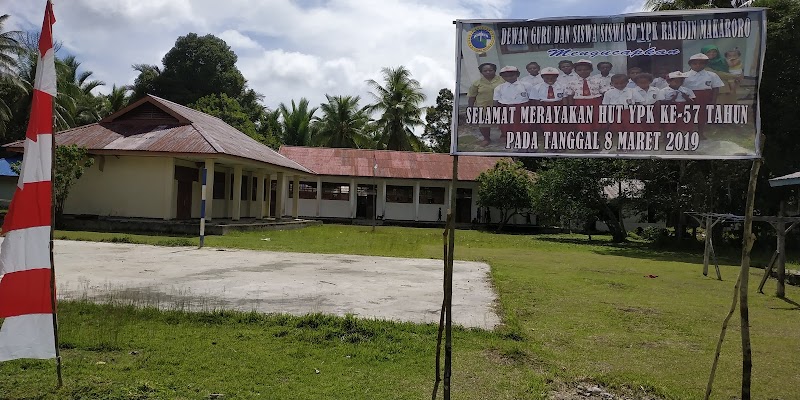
[342,123]
[115,101]
[296,123]
[10,49]
[400,103]
[78,86]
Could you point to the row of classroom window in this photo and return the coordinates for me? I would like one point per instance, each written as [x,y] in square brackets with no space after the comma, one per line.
[335,191]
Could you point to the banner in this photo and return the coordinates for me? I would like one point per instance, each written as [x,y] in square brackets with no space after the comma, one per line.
[648,85]
[26,294]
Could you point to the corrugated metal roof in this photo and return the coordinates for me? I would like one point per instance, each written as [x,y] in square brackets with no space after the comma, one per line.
[786,180]
[391,164]
[172,128]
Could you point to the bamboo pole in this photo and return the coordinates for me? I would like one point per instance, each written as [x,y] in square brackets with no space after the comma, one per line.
[448,293]
[707,249]
[767,271]
[744,311]
[722,338]
[445,258]
[780,230]
[53,202]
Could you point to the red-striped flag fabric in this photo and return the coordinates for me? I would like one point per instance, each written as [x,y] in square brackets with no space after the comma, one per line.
[26,304]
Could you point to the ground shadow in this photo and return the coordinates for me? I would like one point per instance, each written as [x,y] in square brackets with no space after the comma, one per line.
[795,306]
[687,252]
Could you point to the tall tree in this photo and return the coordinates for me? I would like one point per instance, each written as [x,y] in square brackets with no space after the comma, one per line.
[399,102]
[145,82]
[506,187]
[342,123]
[439,120]
[572,187]
[228,110]
[296,123]
[198,66]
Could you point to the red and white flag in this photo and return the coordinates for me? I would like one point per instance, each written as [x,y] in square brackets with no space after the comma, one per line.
[26,302]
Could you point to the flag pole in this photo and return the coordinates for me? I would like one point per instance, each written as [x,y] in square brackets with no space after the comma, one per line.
[53,227]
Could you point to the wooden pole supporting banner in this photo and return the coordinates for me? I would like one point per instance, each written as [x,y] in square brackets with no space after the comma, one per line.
[52,259]
[744,311]
[707,249]
[780,231]
[448,292]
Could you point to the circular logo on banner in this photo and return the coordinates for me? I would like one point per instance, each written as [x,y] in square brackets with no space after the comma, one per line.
[481,39]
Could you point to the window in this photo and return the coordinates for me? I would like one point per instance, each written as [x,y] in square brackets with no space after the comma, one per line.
[308,190]
[431,195]
[219,186]
[399,194]
[254,191]
[244,188]
[335,191]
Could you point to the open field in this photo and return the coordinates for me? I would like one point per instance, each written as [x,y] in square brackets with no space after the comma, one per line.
[573,311]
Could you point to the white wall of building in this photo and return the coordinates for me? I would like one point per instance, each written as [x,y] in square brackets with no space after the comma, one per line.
[126,187]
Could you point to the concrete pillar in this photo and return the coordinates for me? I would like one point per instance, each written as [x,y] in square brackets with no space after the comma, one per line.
[209,187]
[296,197]
[319,194]
[237,192]
[353,198]
[228,195]
[170,199]
[248,203]
[280,196]
[268,200]
[416,201]
[260,194]
[383,198]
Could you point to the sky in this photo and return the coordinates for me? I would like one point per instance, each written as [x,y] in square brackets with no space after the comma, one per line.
[287,49]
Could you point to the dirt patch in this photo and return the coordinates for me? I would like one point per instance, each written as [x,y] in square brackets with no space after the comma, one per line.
[587,389]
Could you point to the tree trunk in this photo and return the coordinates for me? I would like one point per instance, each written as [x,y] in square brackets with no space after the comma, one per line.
[617,230]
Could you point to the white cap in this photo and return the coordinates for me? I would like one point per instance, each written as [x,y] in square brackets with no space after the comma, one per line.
[699,56]
[582,61]
[509,68]
[548,71]
[677,74]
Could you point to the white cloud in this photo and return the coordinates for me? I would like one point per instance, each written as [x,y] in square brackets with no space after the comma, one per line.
[238,41]
[287,49]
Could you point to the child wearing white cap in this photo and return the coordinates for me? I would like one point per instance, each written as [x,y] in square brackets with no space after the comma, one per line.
[704,83]
[513,93]
[550,93]
[583,91]
[677,93]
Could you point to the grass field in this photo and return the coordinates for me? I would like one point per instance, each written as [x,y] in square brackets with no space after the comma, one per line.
[573,311]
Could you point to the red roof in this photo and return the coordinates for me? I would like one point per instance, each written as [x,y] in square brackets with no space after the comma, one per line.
[391,164]
[153,124]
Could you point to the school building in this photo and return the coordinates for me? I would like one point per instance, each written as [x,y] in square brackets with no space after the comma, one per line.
[149,158]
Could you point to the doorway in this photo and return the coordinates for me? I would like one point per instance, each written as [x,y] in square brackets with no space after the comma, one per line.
[365,202]
[463,205]
[185,177]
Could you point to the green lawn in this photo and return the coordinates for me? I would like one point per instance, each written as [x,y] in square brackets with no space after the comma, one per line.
[572,310]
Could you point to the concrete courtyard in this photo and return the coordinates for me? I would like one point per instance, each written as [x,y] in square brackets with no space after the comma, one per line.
[188,278]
